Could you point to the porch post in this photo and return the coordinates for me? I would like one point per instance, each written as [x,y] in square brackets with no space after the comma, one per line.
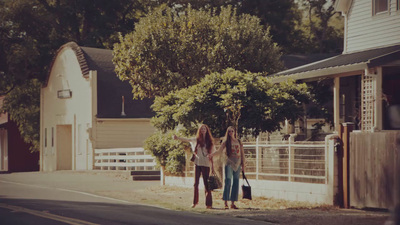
[336,103]
[378,99]
[345,170]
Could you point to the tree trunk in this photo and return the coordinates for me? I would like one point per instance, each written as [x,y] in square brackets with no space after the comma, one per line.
[163,175]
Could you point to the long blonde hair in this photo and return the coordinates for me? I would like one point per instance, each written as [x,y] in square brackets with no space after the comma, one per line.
[228,140]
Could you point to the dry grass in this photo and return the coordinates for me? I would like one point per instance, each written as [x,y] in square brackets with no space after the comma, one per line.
[180,198]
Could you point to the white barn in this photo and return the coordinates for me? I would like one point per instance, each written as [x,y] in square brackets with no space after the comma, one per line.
[84,106]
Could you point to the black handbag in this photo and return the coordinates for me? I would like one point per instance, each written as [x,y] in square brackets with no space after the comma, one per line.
[213,181]
[246,190]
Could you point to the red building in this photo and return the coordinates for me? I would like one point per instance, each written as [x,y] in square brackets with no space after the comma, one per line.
[15,155]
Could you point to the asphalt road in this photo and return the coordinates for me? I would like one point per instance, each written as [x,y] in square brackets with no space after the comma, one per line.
[35,204]
[93,197]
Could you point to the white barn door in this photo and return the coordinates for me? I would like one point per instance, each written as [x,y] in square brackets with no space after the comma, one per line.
[64,147]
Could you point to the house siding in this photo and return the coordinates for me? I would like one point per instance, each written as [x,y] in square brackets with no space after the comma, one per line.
[366,31]
[59,113]
[124,133]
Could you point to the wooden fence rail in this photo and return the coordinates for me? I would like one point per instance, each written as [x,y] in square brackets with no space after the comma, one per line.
[123,159]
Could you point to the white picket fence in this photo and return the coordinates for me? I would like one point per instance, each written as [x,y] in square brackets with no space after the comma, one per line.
[123,159]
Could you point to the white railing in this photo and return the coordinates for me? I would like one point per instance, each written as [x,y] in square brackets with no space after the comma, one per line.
[290,161]
[285,161]
[123,159]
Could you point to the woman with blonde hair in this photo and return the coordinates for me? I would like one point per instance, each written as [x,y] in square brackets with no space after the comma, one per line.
[202,146]
[234,162]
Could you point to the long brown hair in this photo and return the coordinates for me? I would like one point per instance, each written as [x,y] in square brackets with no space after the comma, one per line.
[228,140]
[207,141]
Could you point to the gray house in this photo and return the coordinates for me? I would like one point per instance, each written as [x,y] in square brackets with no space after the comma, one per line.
[366,100]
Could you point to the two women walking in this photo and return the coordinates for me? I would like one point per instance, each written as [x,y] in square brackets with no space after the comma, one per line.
[203,149]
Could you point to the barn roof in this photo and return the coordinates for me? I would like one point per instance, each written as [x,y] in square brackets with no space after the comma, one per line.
[110,88]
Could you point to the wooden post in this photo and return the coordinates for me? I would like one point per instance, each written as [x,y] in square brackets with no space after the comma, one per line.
[340,167]
[336,103]
[397,185]
[257,157]
[291,156]
[345,130]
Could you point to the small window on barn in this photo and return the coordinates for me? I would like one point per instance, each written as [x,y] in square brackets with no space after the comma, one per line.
[45,137]
[398,5]
[380,6]
[52,137]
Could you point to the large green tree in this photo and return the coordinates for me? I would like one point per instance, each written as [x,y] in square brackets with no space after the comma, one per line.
[297,26]
[284,19]
[248,101]
[323,26]
[169,50]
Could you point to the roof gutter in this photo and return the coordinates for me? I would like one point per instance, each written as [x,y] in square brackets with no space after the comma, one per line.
[326,72]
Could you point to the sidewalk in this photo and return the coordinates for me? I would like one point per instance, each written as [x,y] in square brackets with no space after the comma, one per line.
[118,185]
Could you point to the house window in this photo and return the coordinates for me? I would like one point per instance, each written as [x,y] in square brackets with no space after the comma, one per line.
[380,6]
[398,5]
[52,137]
[391,98]
[45,137]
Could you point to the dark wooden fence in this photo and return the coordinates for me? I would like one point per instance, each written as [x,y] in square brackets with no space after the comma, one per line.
[374,169]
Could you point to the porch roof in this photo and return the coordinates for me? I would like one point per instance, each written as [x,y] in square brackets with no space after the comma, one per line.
[344,63]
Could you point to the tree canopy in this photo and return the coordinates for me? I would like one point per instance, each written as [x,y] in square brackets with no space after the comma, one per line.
[170,50]
[297,26]
[247,100]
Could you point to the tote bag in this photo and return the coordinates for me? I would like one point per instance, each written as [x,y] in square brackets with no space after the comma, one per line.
[246,190]
[213,181]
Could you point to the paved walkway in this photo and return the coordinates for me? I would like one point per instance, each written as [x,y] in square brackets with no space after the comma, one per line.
[119,185]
